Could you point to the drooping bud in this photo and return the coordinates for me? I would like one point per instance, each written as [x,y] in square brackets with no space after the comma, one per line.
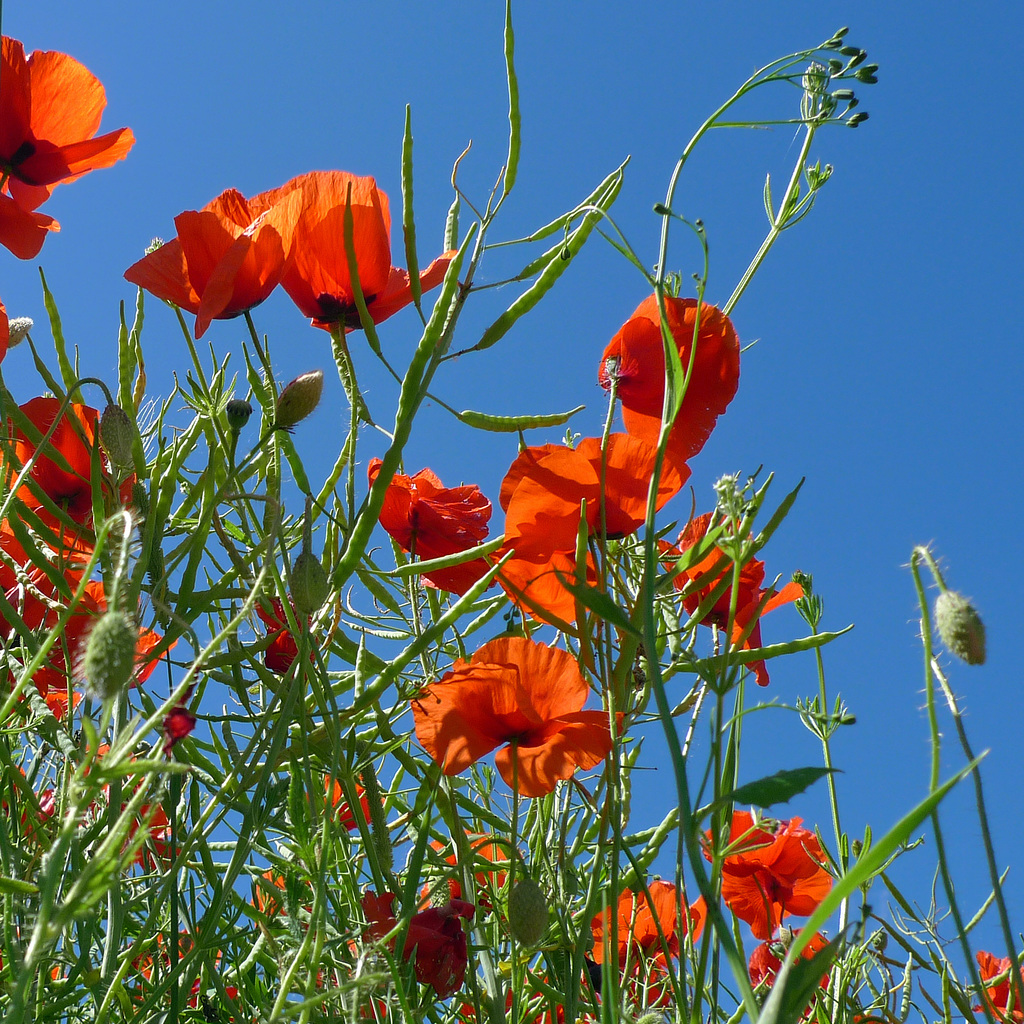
[109,659]
[527,912]
[299,399]
[960,627]
[117,435]
[18,328]
[239,411]
[308,585]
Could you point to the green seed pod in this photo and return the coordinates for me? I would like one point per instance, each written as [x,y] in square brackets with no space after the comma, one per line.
[109,660]
[117,435]
[960,627]
[527,912]
[299,399]
[309,586]
[238,411]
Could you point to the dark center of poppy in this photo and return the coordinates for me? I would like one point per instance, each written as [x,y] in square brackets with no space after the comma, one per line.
[22,153]
[338,311]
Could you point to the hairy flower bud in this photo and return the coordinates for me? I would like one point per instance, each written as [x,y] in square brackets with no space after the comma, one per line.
[239,411]
[309,586]
[960,627]
[299,399]
[109,659]
[117,435]
[527,912]
[18,328]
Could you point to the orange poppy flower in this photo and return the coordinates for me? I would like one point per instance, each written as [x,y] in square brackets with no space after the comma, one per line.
[429,520]
[318,278]
[50,109]
[227,257]
[767,958]
[638,923]
[701,579]
[485,850]
[283,649]
[336,799]
[5,330]
[542,494]
[518,692]
[776,872]
[997,995]
[635,358]
[23,230]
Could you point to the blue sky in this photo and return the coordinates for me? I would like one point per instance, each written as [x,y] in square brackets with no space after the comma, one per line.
[887,369]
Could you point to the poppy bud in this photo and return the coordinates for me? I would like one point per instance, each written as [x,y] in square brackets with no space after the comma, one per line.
[299,399]
[651,1018]
[238,411]
[308,585]
[117,436]
[18,328]
[109,659]
[527,912]
[156,243]
[856,119]
[960,627]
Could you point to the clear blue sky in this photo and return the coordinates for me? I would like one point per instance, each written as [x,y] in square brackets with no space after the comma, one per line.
[888,363]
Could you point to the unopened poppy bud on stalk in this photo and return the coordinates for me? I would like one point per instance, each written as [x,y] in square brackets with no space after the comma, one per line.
[109,659]
[18,328]
[239,411]
[960,627]
[309,586]
[117,435]
[527,912]
[299,399]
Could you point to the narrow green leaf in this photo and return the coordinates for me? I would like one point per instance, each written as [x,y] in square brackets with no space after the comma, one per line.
[601,603]
[514,120]
[126,367]
[447,561]
[796,983]
[807,643]
[67,371]
[365,320]
[513,424]
[451,226]
[408,223]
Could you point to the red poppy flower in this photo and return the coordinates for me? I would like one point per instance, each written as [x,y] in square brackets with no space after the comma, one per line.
[542,494]
[227,257]
[435,937]
[776,871]
[178,723]
[635,358]
[335,798]
[5,330]
[767,958]
[518,692]
[318,278]
[22,229]
[997,995]
[701,579]
[50,109]
[429,520]
[484,850]
[283,649]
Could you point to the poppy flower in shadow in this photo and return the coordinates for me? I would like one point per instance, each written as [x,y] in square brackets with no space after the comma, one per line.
[484,851]
[5,330]
[997,994]
[50,109]
[435,937]
[776,869]
[517,692]
[283,649]
[318,277]
[752,601]
[335,798]
[542,495]
[635,359]
[766,960]
[227,257]
[429,521]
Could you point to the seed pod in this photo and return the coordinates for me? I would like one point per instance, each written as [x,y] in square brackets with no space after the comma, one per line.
[960,627]
[109,660]
[299,399]
[308,584]
[117,434]
[527,912]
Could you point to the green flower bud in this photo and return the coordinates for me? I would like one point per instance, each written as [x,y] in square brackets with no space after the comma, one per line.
[960,627]
[18,328]
[299,399]
[527,912]
[238,411]
[117,435]
[308,584]
[109,659]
